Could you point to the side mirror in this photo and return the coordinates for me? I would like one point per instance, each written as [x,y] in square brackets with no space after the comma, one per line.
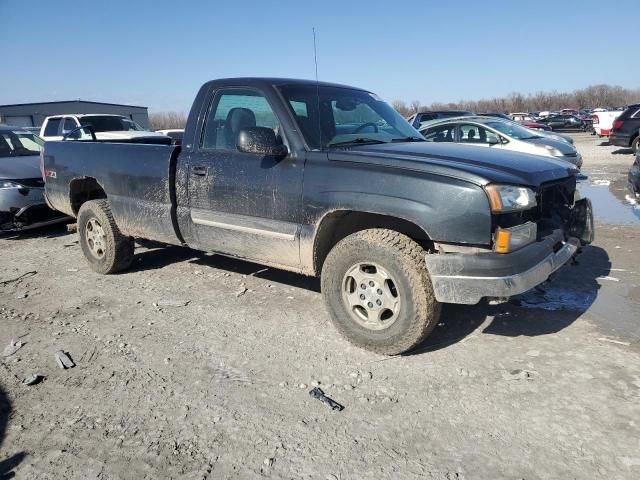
[493,140]
[261,141]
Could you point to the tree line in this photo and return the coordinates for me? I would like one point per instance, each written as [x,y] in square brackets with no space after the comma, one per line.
[605,96]
[167,120]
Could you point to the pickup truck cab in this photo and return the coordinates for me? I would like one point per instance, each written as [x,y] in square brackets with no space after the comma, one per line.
[330,181]
[105,126]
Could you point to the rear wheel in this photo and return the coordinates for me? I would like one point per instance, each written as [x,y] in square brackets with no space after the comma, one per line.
[106,249]
[378,292]
[635,145]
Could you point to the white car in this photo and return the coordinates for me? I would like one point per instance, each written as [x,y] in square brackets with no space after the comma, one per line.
[176,134]
[603,121]
[105,126]
[490,132]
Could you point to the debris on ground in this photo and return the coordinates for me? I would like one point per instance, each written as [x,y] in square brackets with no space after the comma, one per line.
[607,277]
[171,303]
[12,348]
[18,279]
[241,292]
[519,374]
[33,379]
[319,394]
[72,227]
[64,360]
[611,340]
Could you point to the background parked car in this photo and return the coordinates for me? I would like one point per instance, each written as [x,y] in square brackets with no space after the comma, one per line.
[106,127]
[495,114]
[498,133]
[602,121]
[419,118]
[567,122]
[624,132]
[634,177]
[22,201]
[175,134]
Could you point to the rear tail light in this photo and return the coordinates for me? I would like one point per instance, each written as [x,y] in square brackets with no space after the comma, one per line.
[595,119]
[618,123]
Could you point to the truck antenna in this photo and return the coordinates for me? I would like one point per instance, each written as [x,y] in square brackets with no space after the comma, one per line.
[315,60]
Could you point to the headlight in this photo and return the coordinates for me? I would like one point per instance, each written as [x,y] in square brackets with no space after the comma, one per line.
[553,151]
[6,184]
[509,198]
[507,240]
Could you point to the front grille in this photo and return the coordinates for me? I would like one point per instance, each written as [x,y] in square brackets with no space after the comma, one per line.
[555,200]
[30,182]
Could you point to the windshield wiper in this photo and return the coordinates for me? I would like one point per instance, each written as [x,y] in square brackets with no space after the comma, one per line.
[357,141]
[408,139]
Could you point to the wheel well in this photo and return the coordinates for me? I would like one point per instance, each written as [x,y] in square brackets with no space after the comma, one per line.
[342,223]
[82,190]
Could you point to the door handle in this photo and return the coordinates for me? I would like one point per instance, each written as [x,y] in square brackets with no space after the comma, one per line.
[200,171]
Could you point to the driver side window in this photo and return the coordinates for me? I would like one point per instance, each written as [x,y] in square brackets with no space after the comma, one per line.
[231,111]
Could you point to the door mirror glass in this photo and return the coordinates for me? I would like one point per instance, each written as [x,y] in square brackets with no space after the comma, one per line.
[261,141]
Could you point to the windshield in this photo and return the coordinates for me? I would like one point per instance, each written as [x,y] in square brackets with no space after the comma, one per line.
[110,123]
[19,144]
[513,130]
[347,116]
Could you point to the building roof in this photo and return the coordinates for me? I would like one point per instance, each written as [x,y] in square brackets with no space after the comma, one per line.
[71,101]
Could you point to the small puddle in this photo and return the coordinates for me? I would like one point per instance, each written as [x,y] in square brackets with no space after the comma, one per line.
[611,208]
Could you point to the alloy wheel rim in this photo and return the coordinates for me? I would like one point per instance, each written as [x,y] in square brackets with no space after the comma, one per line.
[95,236]
[371,296]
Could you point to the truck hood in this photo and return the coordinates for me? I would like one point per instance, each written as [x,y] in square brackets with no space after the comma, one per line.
[126,134]
[479,165]
[12,168]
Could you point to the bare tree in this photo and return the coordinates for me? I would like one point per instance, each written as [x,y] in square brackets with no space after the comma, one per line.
[592,96]
[401,108]
[415,106]
[167,120]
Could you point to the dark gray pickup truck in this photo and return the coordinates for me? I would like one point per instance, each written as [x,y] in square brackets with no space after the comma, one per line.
[328,180]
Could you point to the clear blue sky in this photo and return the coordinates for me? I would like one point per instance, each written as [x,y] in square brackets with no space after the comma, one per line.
[157,53]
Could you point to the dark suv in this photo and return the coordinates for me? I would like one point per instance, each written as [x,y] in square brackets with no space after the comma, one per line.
[417,118]
[625,128]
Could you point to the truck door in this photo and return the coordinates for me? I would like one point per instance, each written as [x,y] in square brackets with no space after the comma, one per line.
[244,204]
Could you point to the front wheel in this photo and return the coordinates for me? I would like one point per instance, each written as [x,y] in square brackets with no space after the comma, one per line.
[106,249]
[378,292]
[635,145]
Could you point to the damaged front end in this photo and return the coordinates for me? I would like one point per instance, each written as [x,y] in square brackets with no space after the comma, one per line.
[528,246]
[22,205]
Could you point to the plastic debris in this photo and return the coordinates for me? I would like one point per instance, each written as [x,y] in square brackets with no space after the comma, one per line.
[64,360]
[171,303]
[33,379]
[319,394]
[12,348]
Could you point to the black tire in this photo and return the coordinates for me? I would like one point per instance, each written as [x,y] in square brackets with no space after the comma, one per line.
[404,261]
[116,250]
[635,145]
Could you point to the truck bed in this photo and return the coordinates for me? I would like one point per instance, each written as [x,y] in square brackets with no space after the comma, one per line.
[138,178]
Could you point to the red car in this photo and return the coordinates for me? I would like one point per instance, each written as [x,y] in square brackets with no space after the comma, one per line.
[534,125]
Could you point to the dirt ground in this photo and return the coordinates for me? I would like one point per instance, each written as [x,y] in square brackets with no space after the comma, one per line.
[198,366]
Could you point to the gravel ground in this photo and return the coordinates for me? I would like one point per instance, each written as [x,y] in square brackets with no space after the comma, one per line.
[198,366]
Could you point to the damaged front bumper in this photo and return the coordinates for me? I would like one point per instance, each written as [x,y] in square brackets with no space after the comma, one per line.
[466,278]
[25,208]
